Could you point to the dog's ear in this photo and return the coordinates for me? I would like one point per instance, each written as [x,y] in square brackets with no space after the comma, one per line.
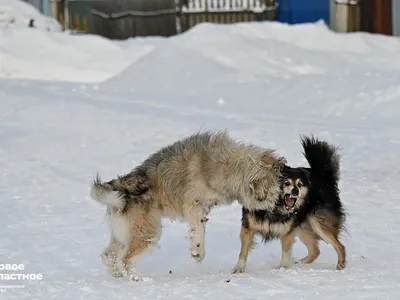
[306,172]
[286,169]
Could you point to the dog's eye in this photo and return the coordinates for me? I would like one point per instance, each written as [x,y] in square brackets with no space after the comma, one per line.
[287,183]
[300,184]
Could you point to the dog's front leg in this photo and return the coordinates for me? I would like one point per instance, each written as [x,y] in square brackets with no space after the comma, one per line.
[247,240]
[197,218]
[287,242]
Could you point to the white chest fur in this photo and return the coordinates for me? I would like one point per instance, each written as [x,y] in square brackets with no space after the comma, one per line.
[119,228]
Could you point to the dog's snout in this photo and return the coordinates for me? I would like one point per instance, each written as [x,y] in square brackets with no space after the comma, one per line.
[295,191]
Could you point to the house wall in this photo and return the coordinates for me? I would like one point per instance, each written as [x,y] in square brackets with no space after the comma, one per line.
[304,11]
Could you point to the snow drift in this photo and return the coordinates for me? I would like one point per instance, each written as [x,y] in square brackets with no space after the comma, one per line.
[19,14]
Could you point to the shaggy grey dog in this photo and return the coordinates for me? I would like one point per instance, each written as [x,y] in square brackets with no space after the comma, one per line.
[183,181]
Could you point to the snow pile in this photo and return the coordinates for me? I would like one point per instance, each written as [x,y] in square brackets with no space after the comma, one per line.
[34,54]
[44,53]
[17,14]
[260,51]
[268,61]
[247,52]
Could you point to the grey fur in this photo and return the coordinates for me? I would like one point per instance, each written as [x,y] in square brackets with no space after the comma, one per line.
[187,178]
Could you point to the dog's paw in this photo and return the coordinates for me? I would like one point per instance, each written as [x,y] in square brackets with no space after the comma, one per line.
[283,267]
[106,259]
[341,265]
[111,265]
[239,268]
[286,262]
[132,275]
[302,261]
[115,273]
[135,277]
[129,272]
[198,252]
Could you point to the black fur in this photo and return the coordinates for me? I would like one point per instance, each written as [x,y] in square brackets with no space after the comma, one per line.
[321,179]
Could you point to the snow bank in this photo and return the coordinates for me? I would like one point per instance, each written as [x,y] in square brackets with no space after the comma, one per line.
[261,51]
[34,54]
[45,53]
[268,61]
[258,52]
[17,14]
[245,52]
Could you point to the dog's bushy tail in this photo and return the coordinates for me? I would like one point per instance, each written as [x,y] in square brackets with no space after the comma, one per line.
[103,192]
[323,158]
[116,193]
[324,161]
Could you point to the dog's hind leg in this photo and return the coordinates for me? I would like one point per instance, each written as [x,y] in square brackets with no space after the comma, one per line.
[110,255]
[144,235]
[287,242]
[130,255]
[310,240]
[196,216]
[246,239]
[331,238]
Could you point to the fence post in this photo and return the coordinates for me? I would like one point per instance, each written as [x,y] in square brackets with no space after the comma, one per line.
[347,16]
[272,7]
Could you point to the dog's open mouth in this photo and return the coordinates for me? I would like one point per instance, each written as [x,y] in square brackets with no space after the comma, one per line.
[290,201]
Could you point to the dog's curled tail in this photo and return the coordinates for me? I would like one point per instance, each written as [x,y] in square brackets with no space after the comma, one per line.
[323,158]
[103,193]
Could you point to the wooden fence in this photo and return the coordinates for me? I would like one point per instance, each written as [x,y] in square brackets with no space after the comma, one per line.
[121,19]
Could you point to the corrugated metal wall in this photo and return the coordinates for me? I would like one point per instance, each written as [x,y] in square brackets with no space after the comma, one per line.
[36,3]
[41,5]
[332,14]
[396,17]
[45,7]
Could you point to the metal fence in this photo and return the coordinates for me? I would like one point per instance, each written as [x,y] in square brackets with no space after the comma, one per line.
[36,3]
[121,19]
[226,11]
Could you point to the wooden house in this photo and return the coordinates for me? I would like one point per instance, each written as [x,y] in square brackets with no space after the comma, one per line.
[374,16]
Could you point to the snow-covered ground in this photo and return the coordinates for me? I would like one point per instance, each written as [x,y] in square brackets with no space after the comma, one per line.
[75,105]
